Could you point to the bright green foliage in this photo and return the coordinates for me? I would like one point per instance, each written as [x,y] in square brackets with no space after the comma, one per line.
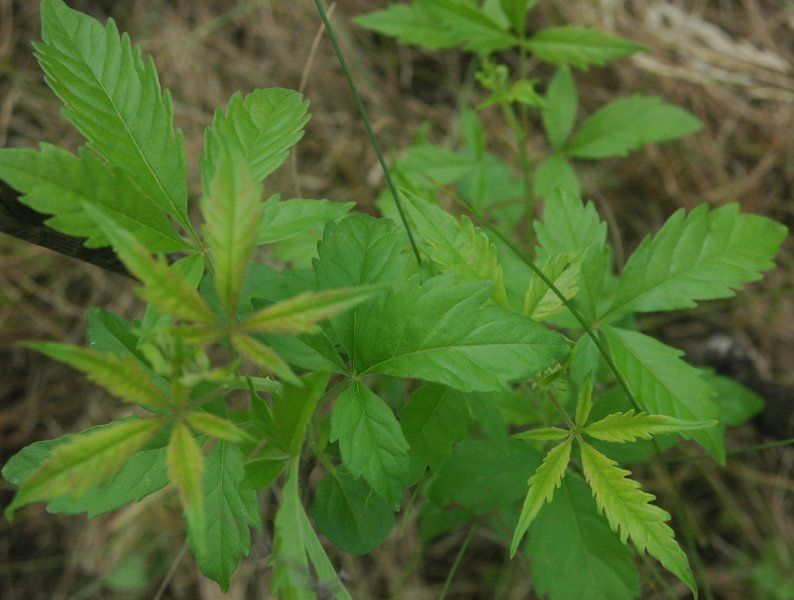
[543,434]
[371,442]
[282,220]
[264,357]
[516,12]
[541,488]
[562,103]
[293,408]
[705,255]
[84,461]
[349,514]
[540,302]
[579,46]
[113,97]
[56,182]
[568,225]
[262,127]
[737,404]
[584,401]
[630,426]
[231,210]
[215,426]
[665,385]
[435,419]
[230,510]
[630,512]
[460,248]
[586,561]
[122,376]
[555,171]
[186,470]
[626,124]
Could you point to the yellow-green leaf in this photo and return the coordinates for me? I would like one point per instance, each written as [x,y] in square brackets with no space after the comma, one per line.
[215,426]
[563,270]
[630,426]
[264,357]
[584,401]
[543,434]
[186,470]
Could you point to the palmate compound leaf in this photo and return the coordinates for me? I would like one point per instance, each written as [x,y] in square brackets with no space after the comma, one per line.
[186,470]
[56,182]
[439,331]
[663,384]
[113,97]
[231,511]
[231,209]
[704,255]
[301,569]
[630,512]
[542,484]
[371,442]
[162,286]
[579,46]
[123,376]
[85,461]
[586,560]
[458,247]
[262,127]
[630,426]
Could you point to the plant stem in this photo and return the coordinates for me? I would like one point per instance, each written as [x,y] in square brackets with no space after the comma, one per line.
[458,557]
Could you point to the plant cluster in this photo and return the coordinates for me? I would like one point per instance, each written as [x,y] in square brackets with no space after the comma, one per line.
[452,361]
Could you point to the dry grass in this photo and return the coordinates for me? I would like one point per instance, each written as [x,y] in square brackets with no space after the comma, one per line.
[728,62]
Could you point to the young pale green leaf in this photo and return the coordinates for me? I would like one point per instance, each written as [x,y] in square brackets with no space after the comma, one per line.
[440,331]
[625,124]
[123,376]
[215,426]
[541,488]
[349,514]
[186,470]
[55,182]
[284,219]
[301,313]
[664,384]
[436,418]
[563,270]
[630,426]
[569,225]
[371,442]
[262,127]
[705,255]
[162,286]
[543,434]
[231,512]
[562,104]
[264,357]
[460,248]
[584,400]
[579,46]
[84,461]
[586,560]
[231,209]
[630,512]
[555,171]
[113,97]
[293,409]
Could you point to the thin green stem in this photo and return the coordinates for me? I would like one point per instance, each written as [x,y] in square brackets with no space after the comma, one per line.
[458,557]
[365,118]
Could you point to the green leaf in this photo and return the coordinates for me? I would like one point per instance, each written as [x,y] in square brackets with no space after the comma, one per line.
[293,409]
[215,426]
[586,560]
[630,426]
[410,24]
[584,400]
[441,332]
[186,470]
[705,255]
[664,384]
[555,171]
[231,209]
[543,434]
[162,286]
[736,403]
[262,472]
[562,104]
[143,474]
[541,488]
[122,376]
[295,547]
[435,419]
[282,220]
[371,442]
[264,357]
[348,514]
[579,46]
[460,248]
[55,182]
[262,126]
[516,12]
[540,302]
[84,461]
[625,124]
[113,97]
[301,313]
[569,225]
[230,510]
[630,513]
